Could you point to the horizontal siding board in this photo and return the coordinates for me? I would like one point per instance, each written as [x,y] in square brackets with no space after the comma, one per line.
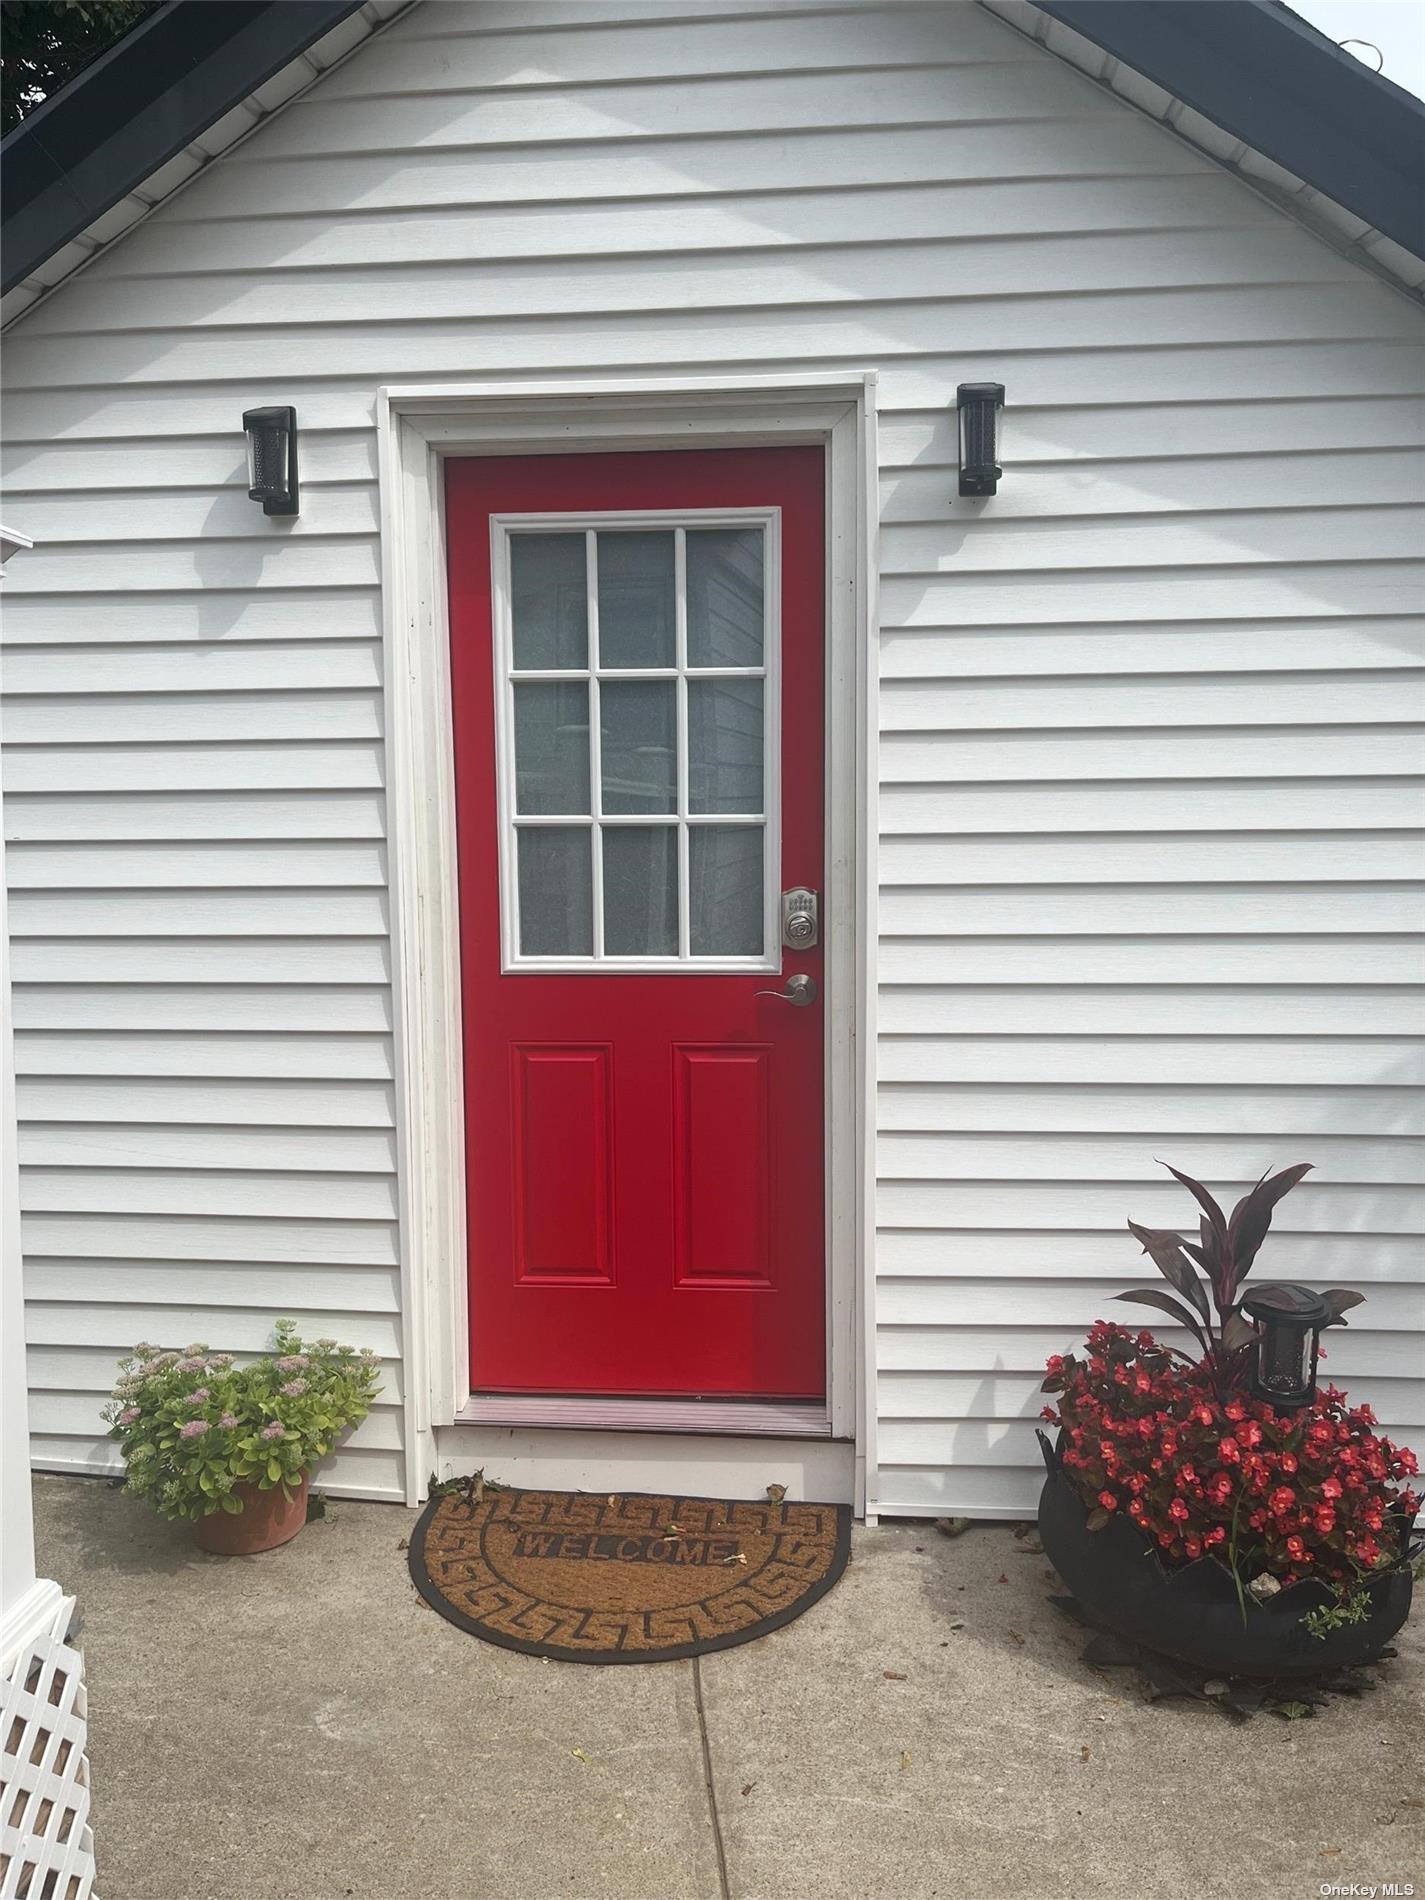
[1127,1157]
[468,53]
[925,1397]
[922,1346]
[210,616]
[1153,1009]
[1192,1107]
[1150,910]
[1240,488]
[181,866]
[1028,1254]
[1241,538]
[95,567]
[962,1491]
[956,1443]
[76,1414]
[478,290]
[59,1144]
[336,766]
[686,223]
[353,1474]
[1149,960]
[304,814]
[66,1368]
[183,718]
[1340,1060]
[222,514]
[65,469]
[1291,699]
[683,166]
[936,1205]
[327,666]
[202,960]
[332,1289]
[773,101]
[1159,858]
[335,913]
[1151,760]
[1181,443]
[118,1326]
[1257,589]
[1351,801]
[1130,372]
[277,1102]
[1166,760]
[1272,647]
[1074,1304]
[176,1052]
[812,328]
[128,1189]
[323,1009]
[252,1238]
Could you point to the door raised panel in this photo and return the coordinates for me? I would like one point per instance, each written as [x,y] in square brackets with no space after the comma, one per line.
[561,1113]
[722,1136]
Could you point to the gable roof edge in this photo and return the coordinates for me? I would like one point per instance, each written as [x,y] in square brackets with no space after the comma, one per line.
[181,90]
[1318,197]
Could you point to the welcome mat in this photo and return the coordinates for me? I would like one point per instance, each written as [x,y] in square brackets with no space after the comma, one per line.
[587,1578]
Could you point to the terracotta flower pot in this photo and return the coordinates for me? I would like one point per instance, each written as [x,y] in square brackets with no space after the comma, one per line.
[267,1519]
[1193,1614]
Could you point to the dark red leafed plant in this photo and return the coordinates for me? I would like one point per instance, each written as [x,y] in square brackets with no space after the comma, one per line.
[1225,1249]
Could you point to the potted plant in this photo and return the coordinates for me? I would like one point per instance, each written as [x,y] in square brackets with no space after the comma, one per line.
[1192,1516]
[231,1447]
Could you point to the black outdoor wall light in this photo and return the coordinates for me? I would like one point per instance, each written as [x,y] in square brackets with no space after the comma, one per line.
[1289,1321]
[979,405]
[272,459]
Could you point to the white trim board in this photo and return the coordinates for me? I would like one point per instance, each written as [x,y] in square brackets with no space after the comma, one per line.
[418,426]
[812,1469]
[765,1418]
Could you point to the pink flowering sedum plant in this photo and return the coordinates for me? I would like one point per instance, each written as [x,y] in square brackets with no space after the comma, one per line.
[193,1425]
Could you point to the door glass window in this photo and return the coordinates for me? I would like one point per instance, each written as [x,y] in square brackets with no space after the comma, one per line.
[637,599]
[637,712]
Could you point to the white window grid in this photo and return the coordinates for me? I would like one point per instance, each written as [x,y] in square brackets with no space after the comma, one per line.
[503,528]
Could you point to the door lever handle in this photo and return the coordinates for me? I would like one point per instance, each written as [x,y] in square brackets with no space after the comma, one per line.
[800,992]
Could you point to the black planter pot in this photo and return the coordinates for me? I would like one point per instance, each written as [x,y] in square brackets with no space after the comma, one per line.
[1194,1614]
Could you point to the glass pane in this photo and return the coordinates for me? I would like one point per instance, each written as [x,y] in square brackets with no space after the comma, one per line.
[724,745]
[556,895]
[725,886]
[639,738]
[641,891]
[549,595]
[552,747]
[636,599]
[725,597]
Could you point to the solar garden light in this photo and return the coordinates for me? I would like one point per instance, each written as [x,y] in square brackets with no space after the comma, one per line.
[979,405]
[272,459]
[1289,1320]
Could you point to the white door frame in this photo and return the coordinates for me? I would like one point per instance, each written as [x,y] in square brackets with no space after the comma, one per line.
[418,427]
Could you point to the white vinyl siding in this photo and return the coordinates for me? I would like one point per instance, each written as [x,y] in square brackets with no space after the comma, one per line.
[1150,850]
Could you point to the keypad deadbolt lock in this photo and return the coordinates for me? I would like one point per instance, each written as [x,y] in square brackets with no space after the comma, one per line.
[801,919]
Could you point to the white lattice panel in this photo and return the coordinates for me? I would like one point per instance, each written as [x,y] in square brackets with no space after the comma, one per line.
[46,1850]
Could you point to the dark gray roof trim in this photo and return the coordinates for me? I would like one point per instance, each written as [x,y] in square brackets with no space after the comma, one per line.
[1251,67]
[136,107]
[1266,77]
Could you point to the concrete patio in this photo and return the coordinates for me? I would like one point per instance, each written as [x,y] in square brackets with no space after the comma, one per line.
[300,1726]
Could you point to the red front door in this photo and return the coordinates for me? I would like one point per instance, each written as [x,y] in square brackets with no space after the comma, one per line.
[636,659]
